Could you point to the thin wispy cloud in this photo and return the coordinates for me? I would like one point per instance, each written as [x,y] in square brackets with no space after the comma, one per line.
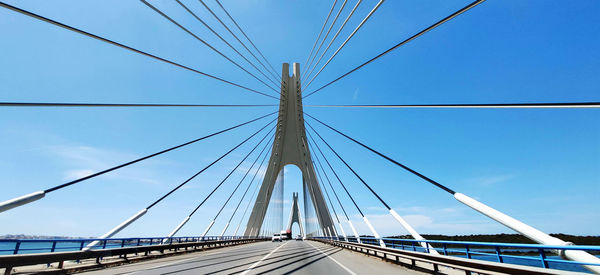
[355,95]
[84,160]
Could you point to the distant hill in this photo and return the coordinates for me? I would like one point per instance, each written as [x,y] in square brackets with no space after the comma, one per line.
[506,238]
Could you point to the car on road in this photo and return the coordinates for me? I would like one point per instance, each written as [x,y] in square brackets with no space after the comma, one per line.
[276,237]
[299,238]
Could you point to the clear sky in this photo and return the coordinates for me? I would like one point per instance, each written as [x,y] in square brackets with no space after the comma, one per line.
[541,166]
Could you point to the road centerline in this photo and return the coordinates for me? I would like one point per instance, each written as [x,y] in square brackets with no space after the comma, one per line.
[264,258]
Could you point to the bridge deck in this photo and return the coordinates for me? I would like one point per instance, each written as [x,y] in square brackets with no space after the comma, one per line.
[301,257]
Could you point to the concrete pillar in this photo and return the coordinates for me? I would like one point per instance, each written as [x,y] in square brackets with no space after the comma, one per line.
[290,147]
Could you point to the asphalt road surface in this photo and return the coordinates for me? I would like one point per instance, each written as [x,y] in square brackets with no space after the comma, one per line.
[298,257]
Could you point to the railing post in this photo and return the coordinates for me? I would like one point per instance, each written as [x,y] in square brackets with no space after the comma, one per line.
[445,250]
[53,246]
[498,255]
[543,258]
[17,245]
[467,251]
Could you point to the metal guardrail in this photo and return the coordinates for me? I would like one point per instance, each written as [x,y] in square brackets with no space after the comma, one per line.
[16,260]
[458,263]
[23,246]
[526,254]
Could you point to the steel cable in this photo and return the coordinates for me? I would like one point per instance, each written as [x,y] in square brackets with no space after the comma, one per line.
[346,41]
[321,32]
[150,156]
[205,43]
[208,166]
[56,23]
[224,41]
[466,8]
[388,158]
[244,33]
[235,36]
[336,35]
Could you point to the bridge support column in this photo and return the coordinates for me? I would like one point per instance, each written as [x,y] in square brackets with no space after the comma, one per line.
[295,216]
[290,147]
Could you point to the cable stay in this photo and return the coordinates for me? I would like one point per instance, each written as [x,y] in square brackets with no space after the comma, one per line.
[188,217]
[437,184]
[326,192]
[224,41]
[321,32]
[253,194]
[12,203]
[206,43]
[326,231]
[278,79]
[472,106]
[508,221]
[235,190]
[346,41]
[74,104]
[56,23]
[328,197]
[247,189]
[394,214]
[334,232]
[335,36]
[328,180]
[448,18]
[326,35]
[244,33]
[139,214]
[356,235]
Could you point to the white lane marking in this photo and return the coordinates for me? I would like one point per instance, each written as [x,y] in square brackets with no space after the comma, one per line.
[191,257]
[340,264]
[260,261]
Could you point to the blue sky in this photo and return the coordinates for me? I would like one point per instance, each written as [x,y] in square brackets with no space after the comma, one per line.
[541,166]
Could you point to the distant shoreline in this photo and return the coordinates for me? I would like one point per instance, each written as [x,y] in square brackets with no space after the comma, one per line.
[506,238]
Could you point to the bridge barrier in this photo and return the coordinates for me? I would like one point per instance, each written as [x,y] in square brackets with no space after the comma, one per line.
[107,247]
[469,256]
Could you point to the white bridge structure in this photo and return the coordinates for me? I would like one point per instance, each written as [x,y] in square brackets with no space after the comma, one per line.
[287,138]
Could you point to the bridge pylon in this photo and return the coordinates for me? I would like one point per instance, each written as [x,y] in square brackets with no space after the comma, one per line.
[295,215]
[290,147]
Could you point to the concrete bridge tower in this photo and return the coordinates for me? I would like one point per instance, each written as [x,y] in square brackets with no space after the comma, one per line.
[295,216]
[290,147]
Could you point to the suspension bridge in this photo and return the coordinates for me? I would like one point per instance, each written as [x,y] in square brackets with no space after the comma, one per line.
[328,241]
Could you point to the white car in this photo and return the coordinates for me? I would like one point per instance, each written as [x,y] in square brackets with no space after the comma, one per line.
[276,237]
[299,238]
